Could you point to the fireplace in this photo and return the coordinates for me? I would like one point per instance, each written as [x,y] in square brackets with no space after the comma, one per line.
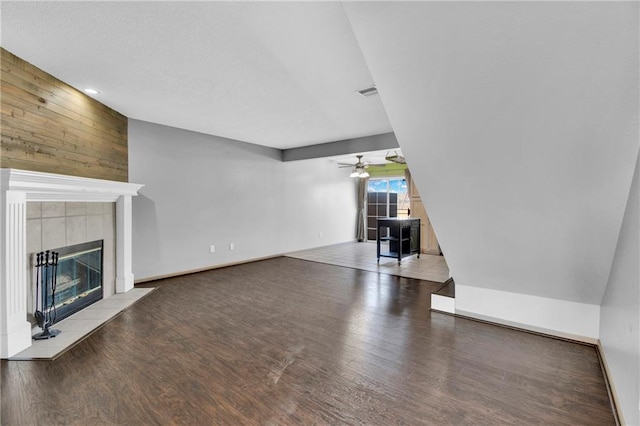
[19,187]
[79,278]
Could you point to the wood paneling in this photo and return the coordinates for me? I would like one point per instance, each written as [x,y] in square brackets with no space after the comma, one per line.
[48,126]
[291,342]
[428,241]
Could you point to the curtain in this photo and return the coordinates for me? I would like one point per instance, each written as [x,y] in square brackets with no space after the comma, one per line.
[361,229]
[409,181]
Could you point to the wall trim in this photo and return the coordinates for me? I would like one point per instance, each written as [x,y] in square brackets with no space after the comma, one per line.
[562,318]
[527,327]
[234,263]
[611,389]
[205,268]
[613,396]
[41,186]
[441,303]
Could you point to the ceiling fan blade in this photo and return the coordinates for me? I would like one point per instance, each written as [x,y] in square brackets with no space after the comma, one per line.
[357,165]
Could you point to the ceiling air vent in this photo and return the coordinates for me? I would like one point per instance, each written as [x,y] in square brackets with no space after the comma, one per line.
[368,91]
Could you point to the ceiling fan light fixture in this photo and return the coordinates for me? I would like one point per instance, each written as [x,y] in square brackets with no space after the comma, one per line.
[359,169]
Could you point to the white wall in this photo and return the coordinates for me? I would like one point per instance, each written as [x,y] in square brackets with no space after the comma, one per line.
[519,122]
[202,190]
[620,311]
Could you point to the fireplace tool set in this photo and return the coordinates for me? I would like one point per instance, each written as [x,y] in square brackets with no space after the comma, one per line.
[46,276]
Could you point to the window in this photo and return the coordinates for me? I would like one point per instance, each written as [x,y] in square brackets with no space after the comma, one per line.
[386,197]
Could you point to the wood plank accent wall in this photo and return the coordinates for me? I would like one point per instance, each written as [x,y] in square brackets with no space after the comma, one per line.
[48,126]
[428,241]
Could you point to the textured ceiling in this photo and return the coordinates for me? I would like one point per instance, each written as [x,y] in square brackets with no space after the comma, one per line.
[276,74]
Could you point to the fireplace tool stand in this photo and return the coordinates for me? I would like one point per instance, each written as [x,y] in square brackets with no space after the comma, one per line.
[46,275]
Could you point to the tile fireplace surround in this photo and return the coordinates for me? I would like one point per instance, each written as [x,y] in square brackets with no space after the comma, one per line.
[17,187]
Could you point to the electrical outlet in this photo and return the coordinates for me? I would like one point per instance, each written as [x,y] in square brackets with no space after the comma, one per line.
[212,248]
[320,235]
[232,246]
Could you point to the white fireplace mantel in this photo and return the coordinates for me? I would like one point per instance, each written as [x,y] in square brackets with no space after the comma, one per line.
[17,187]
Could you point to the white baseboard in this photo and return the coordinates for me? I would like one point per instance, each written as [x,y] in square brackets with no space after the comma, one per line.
[443,303]
[206,268]
[561,318]
[615,401]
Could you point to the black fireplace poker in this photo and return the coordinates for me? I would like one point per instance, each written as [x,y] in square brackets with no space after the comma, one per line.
[46,278]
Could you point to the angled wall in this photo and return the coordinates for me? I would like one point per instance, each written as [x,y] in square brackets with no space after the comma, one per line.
[519,122]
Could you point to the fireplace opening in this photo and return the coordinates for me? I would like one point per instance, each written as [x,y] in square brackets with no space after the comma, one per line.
[79,278]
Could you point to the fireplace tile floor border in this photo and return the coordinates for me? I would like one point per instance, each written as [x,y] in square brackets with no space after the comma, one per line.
[80,325]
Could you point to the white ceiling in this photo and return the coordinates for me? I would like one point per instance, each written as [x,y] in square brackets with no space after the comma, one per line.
[276,74]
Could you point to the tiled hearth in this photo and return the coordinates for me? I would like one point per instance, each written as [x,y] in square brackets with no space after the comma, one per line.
[80,325]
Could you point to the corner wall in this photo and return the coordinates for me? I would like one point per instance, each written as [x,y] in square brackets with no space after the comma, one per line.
[203,190]
[620,311]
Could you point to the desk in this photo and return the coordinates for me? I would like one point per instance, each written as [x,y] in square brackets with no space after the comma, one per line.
[403,237]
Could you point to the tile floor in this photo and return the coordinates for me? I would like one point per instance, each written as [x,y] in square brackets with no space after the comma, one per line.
[79,325]
[363,256]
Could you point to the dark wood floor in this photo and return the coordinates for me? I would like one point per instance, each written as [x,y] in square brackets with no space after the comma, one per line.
[287,341]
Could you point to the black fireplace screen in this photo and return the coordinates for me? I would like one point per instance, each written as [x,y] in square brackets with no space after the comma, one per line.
[79,278]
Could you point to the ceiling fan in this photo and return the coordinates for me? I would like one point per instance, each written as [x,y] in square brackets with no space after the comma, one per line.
[359,168]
